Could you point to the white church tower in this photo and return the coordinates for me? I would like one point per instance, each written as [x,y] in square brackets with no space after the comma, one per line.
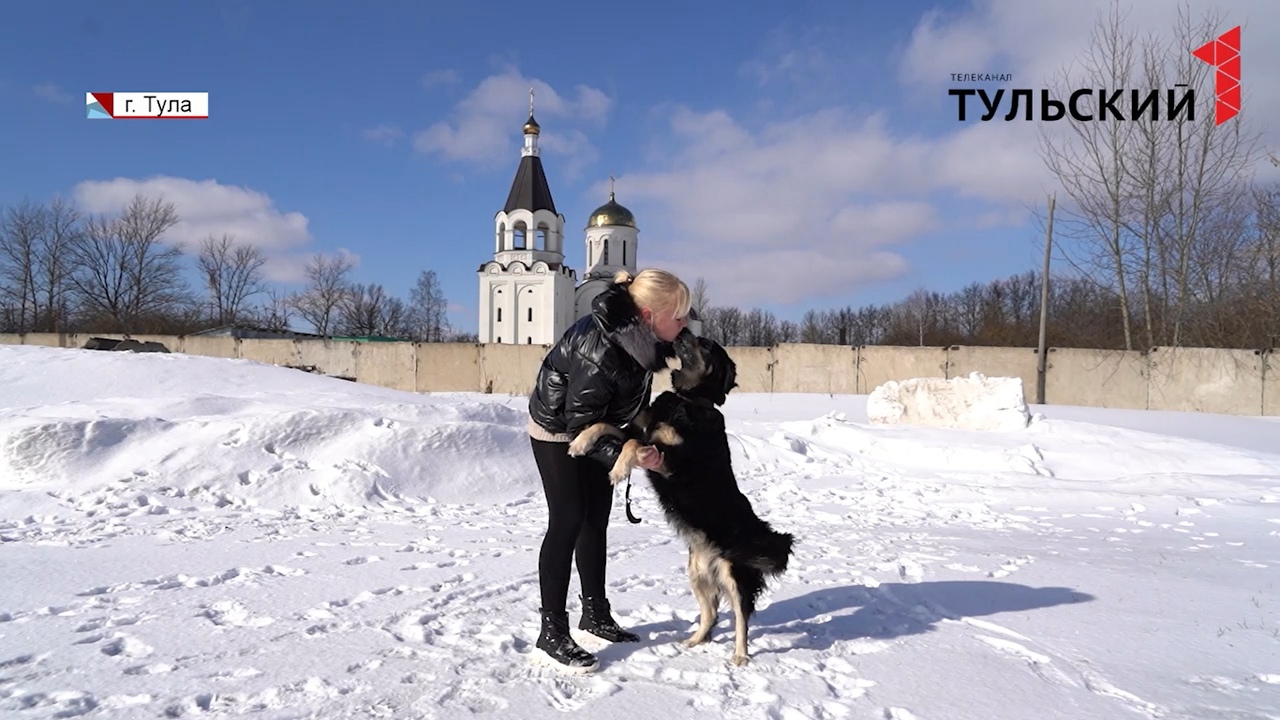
[612,240]
[526,290]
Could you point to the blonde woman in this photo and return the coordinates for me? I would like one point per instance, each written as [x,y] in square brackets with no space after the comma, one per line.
[601,370]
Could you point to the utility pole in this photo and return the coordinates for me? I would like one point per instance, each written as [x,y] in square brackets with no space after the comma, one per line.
[1042,359]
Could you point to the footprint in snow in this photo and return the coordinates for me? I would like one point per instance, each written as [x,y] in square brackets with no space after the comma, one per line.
[124,646]
[572,694]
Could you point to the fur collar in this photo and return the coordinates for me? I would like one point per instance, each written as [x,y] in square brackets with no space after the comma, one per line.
[617,315]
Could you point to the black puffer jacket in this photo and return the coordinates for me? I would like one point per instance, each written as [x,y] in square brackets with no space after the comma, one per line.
[601,370]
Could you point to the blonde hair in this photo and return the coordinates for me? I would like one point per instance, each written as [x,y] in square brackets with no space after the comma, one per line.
[657,290]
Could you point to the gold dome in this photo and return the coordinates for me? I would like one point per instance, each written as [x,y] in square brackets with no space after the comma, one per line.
[611,213]
[531,127]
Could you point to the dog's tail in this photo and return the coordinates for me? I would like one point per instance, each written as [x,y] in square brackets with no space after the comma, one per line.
[767,552]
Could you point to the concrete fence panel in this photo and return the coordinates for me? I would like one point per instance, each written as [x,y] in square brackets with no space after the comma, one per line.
[755,368]
[510,369]
[336,358]
[389,365]
[1097,378]
[1205,380]
[1008,362]
[811,368]
[448,367]
[269,351]
[50,340]
[219,347]
[878,364]
[1271,383]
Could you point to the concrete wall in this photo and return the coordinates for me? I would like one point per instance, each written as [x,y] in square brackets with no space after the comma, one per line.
[1271,384]
[879,364]
[449,367]
[804,368]
[1205,380]
[1237,382]
[1096,378]
[996,362]
[755,368]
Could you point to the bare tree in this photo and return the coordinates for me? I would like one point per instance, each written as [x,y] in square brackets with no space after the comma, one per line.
[20,230]
[428,314]
[369,310]
[327,287]
[55,264]
[125,273]
[275,313]
[1145,189]
[759,328]
[1089,162]
[701,301]
[232,274]
[1210,170]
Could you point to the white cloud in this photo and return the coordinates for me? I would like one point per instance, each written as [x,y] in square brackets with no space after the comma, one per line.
[384,134]
[440,77]
[206,208]
[484,128]
[820,204]
[53,93]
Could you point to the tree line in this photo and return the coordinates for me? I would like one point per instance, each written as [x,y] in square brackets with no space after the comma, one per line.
[62,270]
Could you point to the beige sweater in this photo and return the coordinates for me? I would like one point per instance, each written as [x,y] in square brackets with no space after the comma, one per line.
[537,432]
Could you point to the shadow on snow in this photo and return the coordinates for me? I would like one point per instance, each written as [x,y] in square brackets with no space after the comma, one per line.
[836,614]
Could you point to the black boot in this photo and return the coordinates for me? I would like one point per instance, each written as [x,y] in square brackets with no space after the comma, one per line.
[560,647]
[597,621]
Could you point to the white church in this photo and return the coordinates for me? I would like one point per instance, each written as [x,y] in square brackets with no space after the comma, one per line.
[528,295]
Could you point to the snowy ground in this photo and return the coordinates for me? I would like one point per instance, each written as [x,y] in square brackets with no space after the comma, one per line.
[193,537]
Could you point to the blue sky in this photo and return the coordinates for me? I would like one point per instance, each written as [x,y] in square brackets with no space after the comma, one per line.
[796,155]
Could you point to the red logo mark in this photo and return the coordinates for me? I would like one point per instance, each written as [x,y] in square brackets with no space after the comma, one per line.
[1224,55]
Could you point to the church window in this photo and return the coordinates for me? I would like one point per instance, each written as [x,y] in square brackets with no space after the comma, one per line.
[518,235]
[604,260]
[540,238]
[530,341]
[499,314]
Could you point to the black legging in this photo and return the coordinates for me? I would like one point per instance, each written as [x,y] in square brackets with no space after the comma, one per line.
[579,498]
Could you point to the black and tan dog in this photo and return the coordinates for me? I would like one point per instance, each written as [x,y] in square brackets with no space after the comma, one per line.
[732,552]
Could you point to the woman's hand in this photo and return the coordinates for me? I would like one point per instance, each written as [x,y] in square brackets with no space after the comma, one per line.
[649,457]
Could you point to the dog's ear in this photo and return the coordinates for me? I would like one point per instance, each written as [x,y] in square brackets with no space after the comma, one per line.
[730,373]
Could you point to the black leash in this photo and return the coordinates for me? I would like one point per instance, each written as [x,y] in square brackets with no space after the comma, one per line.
[630,517]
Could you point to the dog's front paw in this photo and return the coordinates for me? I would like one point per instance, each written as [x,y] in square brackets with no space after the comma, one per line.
[618,474]
[694,641]
[580,445]
[739,660]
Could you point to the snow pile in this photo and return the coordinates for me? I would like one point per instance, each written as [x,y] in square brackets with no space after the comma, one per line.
[239,433]
[975,402]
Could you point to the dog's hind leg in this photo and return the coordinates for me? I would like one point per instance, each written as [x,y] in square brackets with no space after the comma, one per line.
[741,610]
[707,591]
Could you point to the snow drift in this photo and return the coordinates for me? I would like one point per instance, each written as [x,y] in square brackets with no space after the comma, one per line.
[975,402]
